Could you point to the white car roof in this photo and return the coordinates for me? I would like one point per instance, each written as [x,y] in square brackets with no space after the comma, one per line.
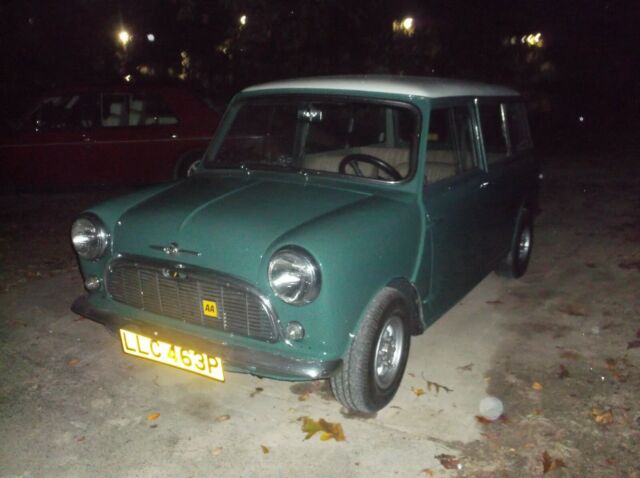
[429,87]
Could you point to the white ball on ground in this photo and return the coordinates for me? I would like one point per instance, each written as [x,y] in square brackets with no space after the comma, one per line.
[491,408]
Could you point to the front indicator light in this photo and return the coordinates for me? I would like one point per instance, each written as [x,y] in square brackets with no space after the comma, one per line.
[294,331]
[92,283]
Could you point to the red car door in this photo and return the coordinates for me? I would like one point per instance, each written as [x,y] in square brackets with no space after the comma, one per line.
[49,149]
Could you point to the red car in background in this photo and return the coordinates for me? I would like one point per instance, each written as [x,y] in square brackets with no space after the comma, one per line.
[119,135]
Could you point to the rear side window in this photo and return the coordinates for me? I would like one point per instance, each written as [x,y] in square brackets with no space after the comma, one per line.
[493,131]
[518,127]
[119,110]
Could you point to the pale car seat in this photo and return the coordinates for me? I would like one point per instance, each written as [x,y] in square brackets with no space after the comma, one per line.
[441,164]
[136,110]
[398,158]
[330,161]
[115,115]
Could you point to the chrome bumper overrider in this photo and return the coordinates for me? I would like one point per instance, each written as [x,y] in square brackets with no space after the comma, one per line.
[255,362]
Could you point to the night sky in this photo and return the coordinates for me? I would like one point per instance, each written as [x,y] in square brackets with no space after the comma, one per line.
[586,65]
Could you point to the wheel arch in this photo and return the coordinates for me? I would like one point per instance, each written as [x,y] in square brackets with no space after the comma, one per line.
[417,325]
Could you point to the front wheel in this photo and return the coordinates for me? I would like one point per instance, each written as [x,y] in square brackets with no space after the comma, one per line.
[374,364]
[517,260]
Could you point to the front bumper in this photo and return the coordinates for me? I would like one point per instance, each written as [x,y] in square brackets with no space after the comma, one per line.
[255,362]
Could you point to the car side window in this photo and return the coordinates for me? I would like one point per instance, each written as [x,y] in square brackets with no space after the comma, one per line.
[146,110]
[115,110]
[518,127]
[492,121]
[121,110]
[62,113]
[451,147]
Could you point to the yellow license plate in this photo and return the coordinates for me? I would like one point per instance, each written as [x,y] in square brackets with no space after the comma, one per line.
[171,354]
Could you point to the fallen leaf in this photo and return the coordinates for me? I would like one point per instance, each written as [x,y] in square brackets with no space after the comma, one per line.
[537,386]
[222,418]
[572,310]
[450,462]
[303,397]
[630,265]
[427,471]
[494,302]
[602,416]
[80,439]
[435,386]
[570,355]
[73,362]
[417,391]
[633,344]
[265,450]
[550,464]
[620,377]
[466,368]
[485,421]
[590,265]
[153,416]
[563,373]
[216,451]
[329,430]
[619,368]
[256,392]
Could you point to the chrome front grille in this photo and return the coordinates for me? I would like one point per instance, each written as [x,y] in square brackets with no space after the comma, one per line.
[176,291]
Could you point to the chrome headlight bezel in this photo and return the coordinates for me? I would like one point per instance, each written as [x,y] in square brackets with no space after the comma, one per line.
[304,278]
[90,237]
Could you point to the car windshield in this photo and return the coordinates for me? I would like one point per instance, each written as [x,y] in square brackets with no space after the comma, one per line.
[370,139]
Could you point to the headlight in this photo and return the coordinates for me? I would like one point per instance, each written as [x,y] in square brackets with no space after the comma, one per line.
[294,276]
[89,236]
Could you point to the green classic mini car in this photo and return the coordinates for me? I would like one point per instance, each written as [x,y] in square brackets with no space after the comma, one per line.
[329,221]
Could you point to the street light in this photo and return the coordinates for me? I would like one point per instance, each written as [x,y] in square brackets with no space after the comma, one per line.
[406,26]
[243,21]
[124,37]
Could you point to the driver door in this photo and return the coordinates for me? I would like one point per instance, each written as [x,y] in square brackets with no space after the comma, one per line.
[453,185]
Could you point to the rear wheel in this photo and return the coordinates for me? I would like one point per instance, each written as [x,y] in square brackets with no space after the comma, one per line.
[517,260]
[373,367]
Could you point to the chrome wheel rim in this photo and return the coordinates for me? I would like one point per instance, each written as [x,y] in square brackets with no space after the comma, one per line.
[524,245]
[388,352]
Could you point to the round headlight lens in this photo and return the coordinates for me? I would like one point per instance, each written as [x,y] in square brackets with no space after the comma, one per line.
[90,237]
[294,276]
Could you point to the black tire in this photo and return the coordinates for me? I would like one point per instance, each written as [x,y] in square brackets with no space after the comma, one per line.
[186,163]
[517,260]
[359,385]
